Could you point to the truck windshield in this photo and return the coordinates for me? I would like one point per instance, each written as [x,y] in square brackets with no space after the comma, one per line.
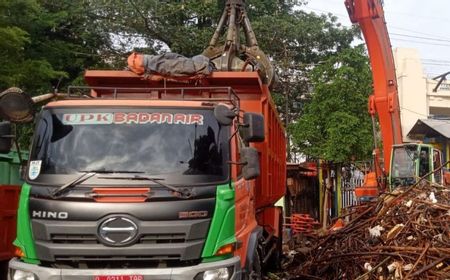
[180,144]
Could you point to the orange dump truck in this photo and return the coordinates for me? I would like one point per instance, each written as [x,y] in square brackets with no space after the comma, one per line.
[169,171]
[153,178]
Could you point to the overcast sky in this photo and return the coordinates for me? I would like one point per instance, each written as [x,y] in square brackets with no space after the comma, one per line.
[424,25]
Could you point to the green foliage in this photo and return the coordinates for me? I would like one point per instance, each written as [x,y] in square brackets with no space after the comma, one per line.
[335,125]
[42,41]
[297,42]
[182,26]
[16,67]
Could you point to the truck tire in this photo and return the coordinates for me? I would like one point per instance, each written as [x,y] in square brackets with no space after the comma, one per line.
[254,272]
[274,262]
[3,269]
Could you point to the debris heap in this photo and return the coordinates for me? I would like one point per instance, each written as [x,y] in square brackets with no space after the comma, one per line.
[404,235]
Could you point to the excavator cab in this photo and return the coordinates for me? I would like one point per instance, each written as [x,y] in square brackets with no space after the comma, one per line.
[412,161]
[409,163]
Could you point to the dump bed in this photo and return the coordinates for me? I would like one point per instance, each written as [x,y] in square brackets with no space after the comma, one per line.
[9,195]
[245,88]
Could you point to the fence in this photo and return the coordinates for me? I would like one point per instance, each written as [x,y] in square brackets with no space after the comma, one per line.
[352,177]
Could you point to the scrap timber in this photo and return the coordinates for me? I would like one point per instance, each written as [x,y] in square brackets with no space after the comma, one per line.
[403,235]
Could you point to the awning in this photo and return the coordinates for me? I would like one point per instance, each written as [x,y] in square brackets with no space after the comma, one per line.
[430,128]
[304,168]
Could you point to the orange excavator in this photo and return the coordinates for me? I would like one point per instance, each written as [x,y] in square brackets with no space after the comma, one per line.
[404,163]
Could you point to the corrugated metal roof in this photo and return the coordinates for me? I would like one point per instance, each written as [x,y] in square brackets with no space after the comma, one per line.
[430,128]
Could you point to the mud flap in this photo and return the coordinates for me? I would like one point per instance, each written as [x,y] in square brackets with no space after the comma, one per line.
[252,246]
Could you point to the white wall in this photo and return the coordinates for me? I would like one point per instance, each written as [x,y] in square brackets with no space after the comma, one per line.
[416,96]
[412,87]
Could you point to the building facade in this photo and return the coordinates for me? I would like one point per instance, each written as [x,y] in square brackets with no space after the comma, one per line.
[424,102]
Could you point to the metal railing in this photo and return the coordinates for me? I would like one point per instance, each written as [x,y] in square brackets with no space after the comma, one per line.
[207,94]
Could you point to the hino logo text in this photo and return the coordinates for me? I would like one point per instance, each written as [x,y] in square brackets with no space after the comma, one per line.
[50,215]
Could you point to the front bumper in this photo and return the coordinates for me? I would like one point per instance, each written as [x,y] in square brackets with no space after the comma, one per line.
[178,273]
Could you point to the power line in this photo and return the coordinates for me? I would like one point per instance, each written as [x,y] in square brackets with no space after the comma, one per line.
[325,11]
[417,16]
[417,113]
[445,121]
[419,37]
[435,60]
[398,34]
[415,31]
[430,39]
[390,26]
[421,42]
[437,64]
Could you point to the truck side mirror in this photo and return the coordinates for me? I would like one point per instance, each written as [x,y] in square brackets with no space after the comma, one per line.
[16,106]
[5,137]
[253,128]
[224,115]
[250,158]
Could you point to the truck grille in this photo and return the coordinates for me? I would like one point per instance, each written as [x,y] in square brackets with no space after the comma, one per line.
[92,239]
[180,240]
[117,258]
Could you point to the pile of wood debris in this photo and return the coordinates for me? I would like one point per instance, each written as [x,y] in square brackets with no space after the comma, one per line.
[404,235]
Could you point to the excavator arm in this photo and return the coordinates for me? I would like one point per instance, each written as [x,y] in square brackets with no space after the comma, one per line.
[232,55]
[383,103]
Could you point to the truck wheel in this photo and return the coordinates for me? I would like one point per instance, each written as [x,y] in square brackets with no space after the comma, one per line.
[3,269]
[274,262]
[254,272]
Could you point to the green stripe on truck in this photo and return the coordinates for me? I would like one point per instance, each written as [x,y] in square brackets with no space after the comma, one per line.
[24,239]
[222,229]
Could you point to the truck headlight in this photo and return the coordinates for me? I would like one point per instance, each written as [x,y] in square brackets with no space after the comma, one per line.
[23,275]
[223,273]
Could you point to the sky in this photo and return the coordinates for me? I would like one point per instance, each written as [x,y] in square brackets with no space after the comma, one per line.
[423,25]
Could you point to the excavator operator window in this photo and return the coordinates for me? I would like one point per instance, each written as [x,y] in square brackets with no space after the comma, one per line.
[424,161]
[403,168]
[437,162]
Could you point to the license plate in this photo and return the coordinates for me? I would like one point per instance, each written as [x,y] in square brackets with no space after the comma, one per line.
[119,277]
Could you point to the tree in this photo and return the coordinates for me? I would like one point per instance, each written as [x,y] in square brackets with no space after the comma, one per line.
[295,40]
[16,67]
[42,42]
[299,43]
[335,125]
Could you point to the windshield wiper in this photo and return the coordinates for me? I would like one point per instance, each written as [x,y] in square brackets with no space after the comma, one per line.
[104,171]
[86,174]
[184,193]
[80,179]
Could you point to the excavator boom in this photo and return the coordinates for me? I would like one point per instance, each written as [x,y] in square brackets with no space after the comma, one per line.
[369,15]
